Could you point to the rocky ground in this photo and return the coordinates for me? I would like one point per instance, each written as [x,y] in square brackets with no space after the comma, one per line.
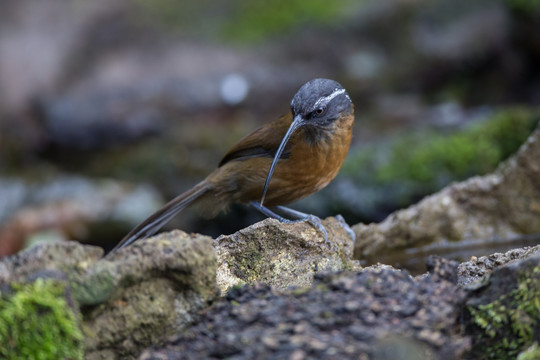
[158,299]
[375,313]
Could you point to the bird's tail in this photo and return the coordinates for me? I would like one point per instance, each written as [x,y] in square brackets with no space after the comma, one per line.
[162,216]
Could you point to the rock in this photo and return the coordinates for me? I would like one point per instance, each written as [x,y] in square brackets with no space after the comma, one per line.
[476,268]
[282,255]
[153,288]
[501,204]
[503,312]
[368,314]
[131,298]
[64,256]
[443,268]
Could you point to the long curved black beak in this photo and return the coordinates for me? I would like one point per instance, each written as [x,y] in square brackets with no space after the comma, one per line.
[297,123]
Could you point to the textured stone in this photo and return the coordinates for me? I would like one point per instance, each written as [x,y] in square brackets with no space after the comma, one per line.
[282,255]
[131,298]
[476,268]
[147,290]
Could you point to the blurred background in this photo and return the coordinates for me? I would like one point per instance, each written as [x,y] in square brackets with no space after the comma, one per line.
[108,108]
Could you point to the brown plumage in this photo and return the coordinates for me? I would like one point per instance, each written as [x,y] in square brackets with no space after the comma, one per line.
[319,130]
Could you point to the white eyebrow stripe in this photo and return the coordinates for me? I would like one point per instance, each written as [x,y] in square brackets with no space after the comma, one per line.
[325,100]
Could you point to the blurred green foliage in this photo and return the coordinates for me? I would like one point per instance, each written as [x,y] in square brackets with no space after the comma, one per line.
[37,323]
[475,150]
[253,20]
[418,163]
[243,21]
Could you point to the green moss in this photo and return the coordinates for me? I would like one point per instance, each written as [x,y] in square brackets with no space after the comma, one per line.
[37,323]
[506,325]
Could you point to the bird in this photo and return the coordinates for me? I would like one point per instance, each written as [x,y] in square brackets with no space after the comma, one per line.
[281,162]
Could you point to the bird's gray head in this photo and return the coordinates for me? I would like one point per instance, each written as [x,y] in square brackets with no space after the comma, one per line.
[321,100]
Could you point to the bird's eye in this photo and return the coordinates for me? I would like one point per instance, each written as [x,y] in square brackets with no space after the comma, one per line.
[320,110]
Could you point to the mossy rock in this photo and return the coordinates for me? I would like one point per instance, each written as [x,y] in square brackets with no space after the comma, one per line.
[504,317]
[36,322]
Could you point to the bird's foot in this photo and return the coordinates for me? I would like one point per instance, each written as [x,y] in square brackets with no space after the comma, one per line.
[313,221]
[317,223]
[300,217]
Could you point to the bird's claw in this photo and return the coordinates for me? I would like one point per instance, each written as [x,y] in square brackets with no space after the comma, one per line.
[312,220]
[317,223]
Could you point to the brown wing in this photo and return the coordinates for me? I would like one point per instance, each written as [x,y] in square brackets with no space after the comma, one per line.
[262,142]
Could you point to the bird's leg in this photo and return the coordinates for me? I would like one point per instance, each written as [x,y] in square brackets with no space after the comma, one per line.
[300,216]
[315,221]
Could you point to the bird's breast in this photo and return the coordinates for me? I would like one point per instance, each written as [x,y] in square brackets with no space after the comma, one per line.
[311,164]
